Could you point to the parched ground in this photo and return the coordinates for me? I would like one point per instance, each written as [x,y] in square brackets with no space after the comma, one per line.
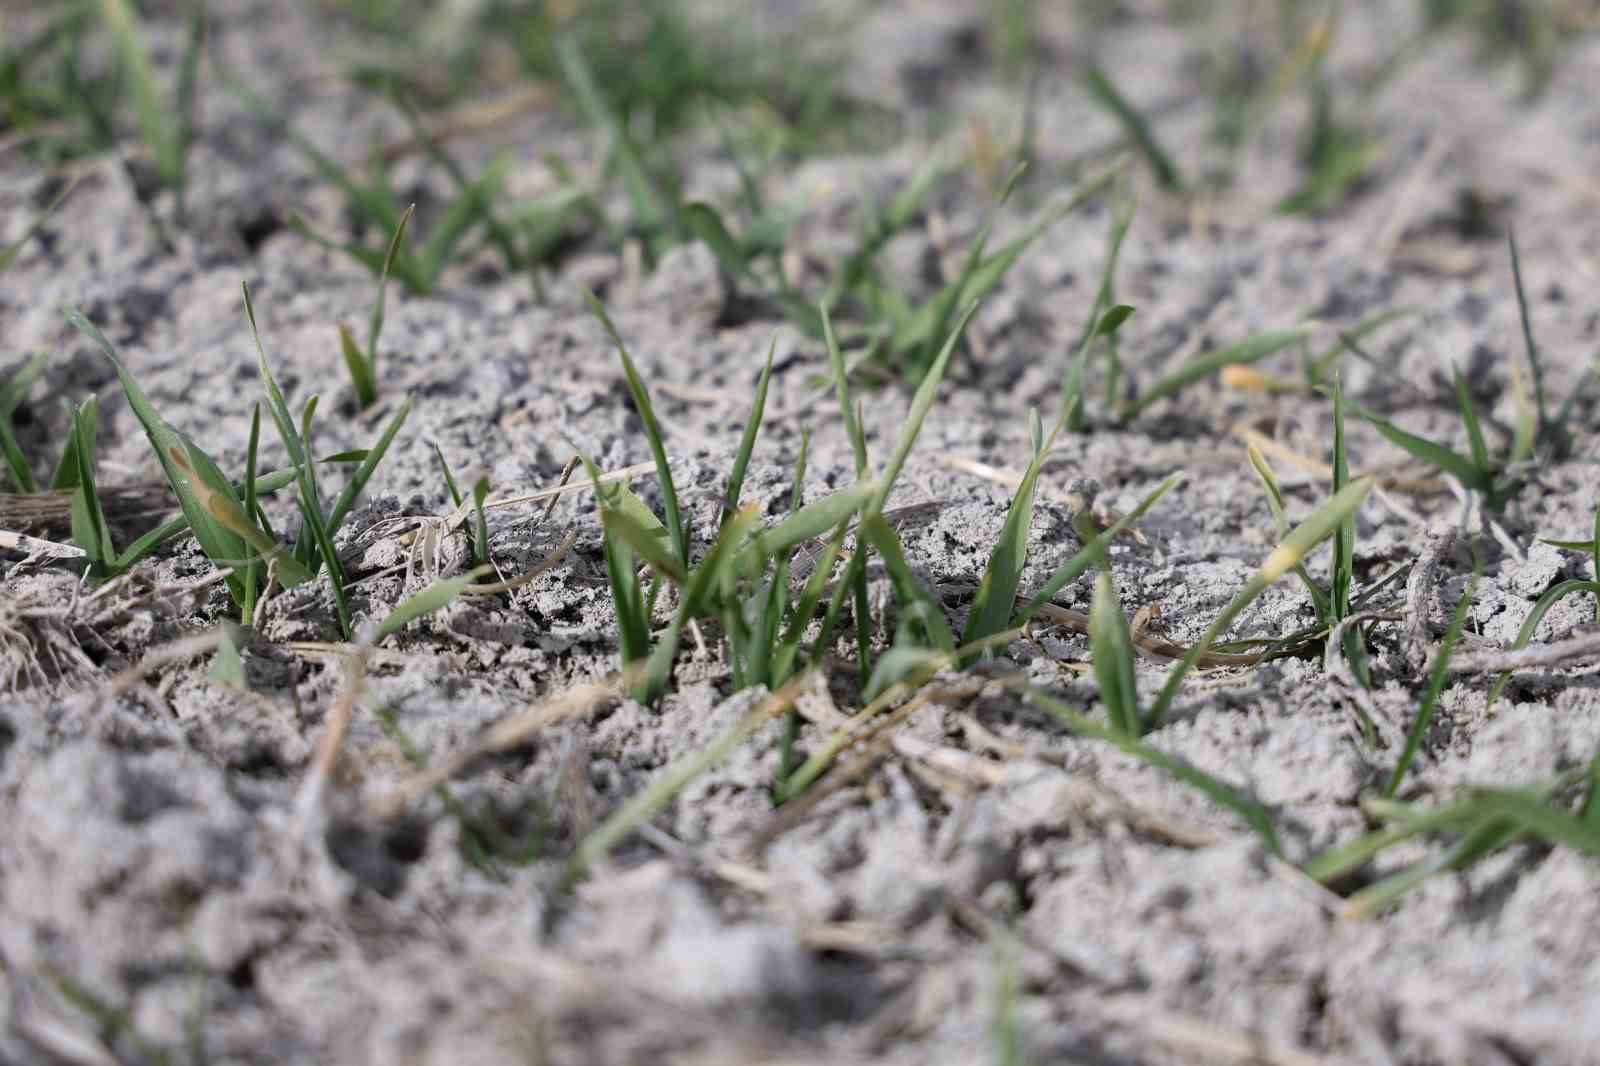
[975,884]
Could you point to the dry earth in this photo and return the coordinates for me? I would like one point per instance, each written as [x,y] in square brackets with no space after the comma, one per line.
[164,899]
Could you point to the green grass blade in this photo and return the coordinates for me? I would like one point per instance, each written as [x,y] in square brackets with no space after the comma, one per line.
[1530,625]
[1319,366]
[1307,535]
[119,17]
[1469,418]
[707,226]
[652,208]
[1224,795]
[1406,822]
[1137,129]
[16,462]
[651,542]
[747,442]
[921,403]
[1430,695]
[176,452]
[841,385]
[1090,552]
[9,254]
[996,597]
[652,431]
[480,537]
[1250,350]
[805,609]
[1451,462]
[369,464]
[375,328]
[1487,836]
[816,518]
[633,616]
[1535,360]
[89,529]
[449,478]
[1354,645]
[1111,650]
[363,378]
[1542,818]
[915,601]
[185,106]
[437,596]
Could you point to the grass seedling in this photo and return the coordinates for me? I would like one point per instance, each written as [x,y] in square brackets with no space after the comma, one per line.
[1550,434]
[1539,432]
[480,524]
[1290,551]
[363,363]
[1477,472]
[167,130]
[1530,626]
[1336,156]
[211,505]
[374,201]
[1482,822]
[1354,646]
[995,601]
[76,474]
[314,548]
[1112,654]
[1137,128]
[654,197]
[914,337]
[905,336]
[677,531]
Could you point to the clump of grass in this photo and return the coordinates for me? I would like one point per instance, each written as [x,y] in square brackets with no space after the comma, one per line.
[1538,431]
[228,520]
[903,335]
[212,506]
[374,201]
[1336,157]
[320,523]
[45,89]
[1561,813]
[168,131]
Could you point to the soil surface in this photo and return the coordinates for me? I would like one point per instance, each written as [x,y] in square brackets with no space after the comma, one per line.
[166,895]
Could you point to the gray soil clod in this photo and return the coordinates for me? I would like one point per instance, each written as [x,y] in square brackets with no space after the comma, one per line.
[164,899]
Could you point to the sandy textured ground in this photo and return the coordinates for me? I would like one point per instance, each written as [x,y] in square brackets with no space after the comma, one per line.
[153,861]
